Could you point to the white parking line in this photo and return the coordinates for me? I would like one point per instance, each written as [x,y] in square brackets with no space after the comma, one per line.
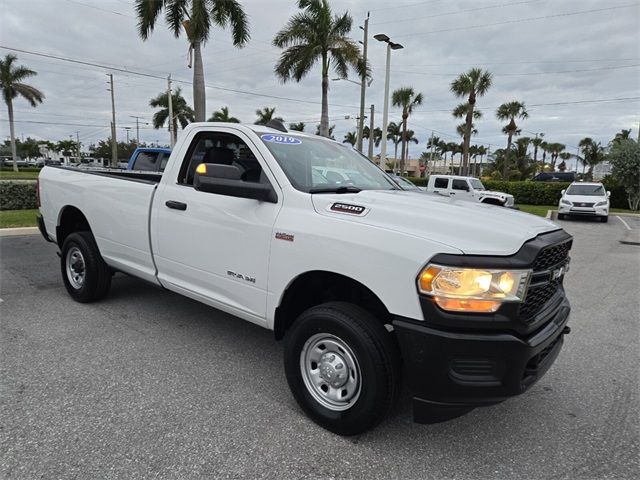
[625,223]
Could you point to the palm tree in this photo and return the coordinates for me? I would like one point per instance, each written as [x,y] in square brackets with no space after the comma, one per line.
[330,133]
[350,137]
[510,111]
[299,127]
[315,34]
[197,17]
[222,115]
[394,133]
[476,82]
[563,165]
[182,112]
[556,149]
[265,115]
[11,84]
[66,147]
[377,135]
[622,135]
[536,142]
[405,98]
[462,131]
[592,154]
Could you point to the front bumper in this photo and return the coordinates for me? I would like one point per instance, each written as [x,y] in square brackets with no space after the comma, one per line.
[583,211]
[465,369]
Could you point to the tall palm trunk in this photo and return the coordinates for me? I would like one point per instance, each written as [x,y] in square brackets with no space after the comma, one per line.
[324,116]
[467,134]
[535,160]
[199,95]
[395,158]
[12,132]
[507,158]
[403,152]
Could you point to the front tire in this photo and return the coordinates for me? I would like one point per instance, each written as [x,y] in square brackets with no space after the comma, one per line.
[604,219]
[343,367]
[85,275]
[561,216]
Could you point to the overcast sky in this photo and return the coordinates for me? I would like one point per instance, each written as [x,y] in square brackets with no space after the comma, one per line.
[545,53]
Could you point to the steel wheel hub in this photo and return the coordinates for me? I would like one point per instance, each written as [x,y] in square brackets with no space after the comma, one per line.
[75,267]
[330,371]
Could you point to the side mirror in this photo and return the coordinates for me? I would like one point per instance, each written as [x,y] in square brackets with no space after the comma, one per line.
[608,193]
[562,192]
[226,180]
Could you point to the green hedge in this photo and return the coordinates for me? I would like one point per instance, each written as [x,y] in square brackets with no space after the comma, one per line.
[542,193]
[17,195]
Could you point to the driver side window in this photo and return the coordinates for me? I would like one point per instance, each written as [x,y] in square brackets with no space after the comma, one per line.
[221,149]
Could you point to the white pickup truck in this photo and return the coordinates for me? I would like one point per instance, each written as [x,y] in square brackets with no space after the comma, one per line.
[467,188]
[365,282]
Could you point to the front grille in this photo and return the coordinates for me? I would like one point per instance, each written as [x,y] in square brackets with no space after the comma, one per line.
[537,297]
[552,256]
[539,294]
[583,204]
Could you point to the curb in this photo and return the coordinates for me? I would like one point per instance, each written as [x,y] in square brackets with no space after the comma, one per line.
[14,232]
[551,215]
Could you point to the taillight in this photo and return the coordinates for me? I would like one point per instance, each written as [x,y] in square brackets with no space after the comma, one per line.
[38,192]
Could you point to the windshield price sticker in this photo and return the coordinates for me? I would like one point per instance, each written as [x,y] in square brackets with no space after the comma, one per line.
[281,139]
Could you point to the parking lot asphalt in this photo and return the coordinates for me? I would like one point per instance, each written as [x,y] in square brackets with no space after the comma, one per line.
[149,384]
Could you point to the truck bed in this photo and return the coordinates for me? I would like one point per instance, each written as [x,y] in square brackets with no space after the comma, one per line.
[117,206]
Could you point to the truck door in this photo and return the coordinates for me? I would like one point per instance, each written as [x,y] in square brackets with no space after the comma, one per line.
[460,189]
[215,247]
[441,185]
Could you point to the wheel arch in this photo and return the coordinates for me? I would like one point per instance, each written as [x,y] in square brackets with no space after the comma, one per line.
[70,220]
[320,286]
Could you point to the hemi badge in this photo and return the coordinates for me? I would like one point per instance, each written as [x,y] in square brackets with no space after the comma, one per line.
[347,208]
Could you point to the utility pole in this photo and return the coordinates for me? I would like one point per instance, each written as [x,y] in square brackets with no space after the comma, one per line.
[114,144]
[363,84]
[172,140]
[371,135]
[431,152]
[137,128]
[78,142]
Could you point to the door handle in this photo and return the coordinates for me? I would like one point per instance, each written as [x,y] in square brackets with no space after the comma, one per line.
[176,205]
[452,193]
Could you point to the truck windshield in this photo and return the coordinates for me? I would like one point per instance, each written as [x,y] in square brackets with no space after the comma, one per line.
[588,190]
[316,165]
[476,184]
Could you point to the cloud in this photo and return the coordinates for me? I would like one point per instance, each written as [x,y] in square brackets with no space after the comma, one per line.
[524,57]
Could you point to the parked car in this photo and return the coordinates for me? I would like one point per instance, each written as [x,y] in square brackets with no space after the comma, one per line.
[149,159]
[555,177]
[467,188]
[364,282]
[584,200]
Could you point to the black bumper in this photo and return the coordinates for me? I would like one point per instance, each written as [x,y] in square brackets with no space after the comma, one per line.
[463,369]
[42,228]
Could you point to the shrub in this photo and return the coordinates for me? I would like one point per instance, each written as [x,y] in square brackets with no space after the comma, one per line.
[420,182]
[17,195]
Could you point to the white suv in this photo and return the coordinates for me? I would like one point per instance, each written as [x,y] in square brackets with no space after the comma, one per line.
[585,200]
[467,188]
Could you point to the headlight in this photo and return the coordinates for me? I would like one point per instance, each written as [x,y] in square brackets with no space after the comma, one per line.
[601,204]
[472,290]
[565,202]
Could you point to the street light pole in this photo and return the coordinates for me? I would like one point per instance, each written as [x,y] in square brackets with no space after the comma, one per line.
[381,37]
[363,85]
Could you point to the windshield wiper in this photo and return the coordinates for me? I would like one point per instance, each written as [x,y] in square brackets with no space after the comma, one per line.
[341,189]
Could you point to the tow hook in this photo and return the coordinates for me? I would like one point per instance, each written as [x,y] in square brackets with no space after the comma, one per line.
[566,330]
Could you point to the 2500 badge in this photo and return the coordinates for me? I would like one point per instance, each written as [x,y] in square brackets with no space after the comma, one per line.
[348,208]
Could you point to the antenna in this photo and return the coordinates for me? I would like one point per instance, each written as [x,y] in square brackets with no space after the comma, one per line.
[276,125]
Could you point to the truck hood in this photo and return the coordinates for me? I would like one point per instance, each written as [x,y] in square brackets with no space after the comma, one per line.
[470,227]
[494,194]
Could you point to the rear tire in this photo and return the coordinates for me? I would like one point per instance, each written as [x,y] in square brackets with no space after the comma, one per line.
[85,275]
[343,367]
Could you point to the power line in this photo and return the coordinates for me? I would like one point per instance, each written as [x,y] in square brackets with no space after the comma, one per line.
[517,20]
[583,70]
[457,12]
[158,77]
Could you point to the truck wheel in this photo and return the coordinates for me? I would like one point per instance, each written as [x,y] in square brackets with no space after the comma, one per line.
[343,367]
[85,275]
